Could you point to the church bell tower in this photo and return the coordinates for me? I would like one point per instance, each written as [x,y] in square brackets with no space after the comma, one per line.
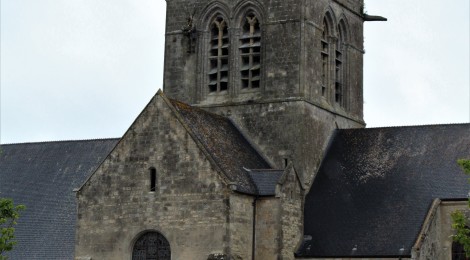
[287,72]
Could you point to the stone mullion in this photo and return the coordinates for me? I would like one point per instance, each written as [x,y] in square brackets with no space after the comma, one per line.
[234,64]
[250,65]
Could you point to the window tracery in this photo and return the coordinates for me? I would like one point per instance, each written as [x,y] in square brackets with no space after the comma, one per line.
[219,56]
[250,52]
[339,68]
[325,58]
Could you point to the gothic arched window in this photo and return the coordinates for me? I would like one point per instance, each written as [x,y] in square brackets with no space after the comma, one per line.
[339,66]
[458,253]
[151,246]
[325,58]
[250,52]
[218,55]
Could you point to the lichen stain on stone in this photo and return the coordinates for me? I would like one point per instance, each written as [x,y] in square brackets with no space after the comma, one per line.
[374,160]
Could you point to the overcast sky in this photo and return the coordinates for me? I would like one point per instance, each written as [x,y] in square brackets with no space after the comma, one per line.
[84,69]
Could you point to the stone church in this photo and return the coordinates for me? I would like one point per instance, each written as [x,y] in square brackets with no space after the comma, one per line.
[255,149]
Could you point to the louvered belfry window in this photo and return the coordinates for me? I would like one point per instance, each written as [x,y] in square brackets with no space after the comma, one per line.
[325,52]
[218,56]
[250,51]
[339,70]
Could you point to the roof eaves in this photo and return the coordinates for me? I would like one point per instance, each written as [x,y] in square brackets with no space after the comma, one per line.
[353,256]
[62,141]
[411,126]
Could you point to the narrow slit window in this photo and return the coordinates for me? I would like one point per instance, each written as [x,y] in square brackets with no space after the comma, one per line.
[250,52]
[153,179]
[218,56]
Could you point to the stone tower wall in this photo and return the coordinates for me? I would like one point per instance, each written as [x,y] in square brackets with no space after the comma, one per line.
[288,116]
[290,52]
[296,130]
[353,53]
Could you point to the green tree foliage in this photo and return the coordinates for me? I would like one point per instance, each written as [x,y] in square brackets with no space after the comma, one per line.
[465,164]
[459,219]
[9,213]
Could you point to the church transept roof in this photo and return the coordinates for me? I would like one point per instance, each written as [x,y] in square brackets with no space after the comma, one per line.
[375,187]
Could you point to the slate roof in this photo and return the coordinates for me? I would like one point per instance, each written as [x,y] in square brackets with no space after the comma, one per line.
[375,187]
[42,176]
[225,144]
[265,180]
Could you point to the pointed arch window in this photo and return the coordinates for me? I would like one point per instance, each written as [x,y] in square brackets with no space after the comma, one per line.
[339,67]
[250,52]
[219,56]
[325,58]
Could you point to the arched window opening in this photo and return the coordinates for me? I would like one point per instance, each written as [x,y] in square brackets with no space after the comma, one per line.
[458,252]
[325,57]
[153,179]
[339,68]
[151,246]
[250,52]
[218,56]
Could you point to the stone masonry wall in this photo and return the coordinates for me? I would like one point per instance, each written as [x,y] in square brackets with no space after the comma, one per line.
[286,117]
[189,207]
[241,226]
[296,130]
[267,228]
[352,57]
[437,239]
[291,196]
[185,73]
[290,45]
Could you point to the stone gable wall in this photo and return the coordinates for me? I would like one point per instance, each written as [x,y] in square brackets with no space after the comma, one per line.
[189,207]
[437,236]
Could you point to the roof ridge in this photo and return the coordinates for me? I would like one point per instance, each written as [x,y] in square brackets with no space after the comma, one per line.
[64,141]
[409,126]
[177,102]
[268,169]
